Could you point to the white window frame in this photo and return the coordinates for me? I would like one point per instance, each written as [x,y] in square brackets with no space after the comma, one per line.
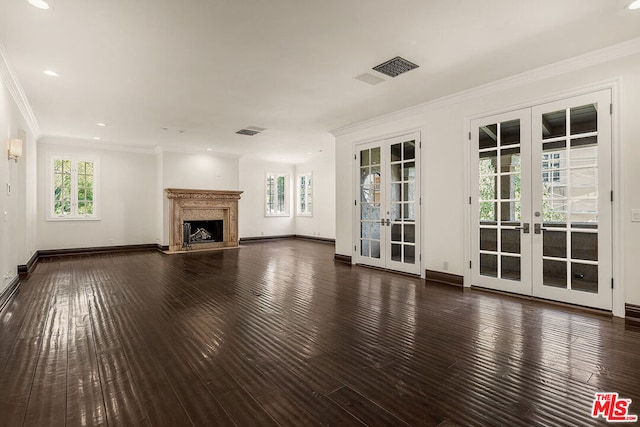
[276,176]
[308,191]
[74,216]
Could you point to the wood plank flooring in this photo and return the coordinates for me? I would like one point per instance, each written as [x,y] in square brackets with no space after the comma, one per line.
[277,333]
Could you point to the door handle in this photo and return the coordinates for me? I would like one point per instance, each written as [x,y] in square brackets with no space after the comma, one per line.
[388,222]
[538,228]
[382,222]
[524,228]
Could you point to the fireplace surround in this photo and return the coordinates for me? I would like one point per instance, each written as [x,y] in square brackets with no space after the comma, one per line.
[187,205]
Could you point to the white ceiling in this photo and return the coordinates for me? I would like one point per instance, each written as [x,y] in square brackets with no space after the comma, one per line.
[212,67]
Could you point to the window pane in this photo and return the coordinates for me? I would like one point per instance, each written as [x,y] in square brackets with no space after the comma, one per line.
[375,249]
[510,132]
[488,136]
[488,162]
[364,158]
[375,156]
[409,150]
[510,268]
[488,239]
[554,124]
[488,265]
[396,152]
[584,119]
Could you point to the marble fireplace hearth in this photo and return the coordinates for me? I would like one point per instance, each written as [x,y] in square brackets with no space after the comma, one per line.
[187,205]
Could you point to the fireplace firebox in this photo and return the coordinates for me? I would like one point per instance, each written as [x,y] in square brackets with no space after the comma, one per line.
[198,232]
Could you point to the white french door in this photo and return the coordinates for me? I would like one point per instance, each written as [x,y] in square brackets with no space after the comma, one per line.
[540,201]
[387,203]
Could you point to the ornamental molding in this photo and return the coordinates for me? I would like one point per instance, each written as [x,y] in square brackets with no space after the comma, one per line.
[181,193]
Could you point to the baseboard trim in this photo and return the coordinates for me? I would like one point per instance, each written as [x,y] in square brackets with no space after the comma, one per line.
[316,239]
[342,258]
[9,292]
[50,253]
[263,238]
[388,270]
[632,312]
[442,277]
[25,269]
[162,248]
[287,236]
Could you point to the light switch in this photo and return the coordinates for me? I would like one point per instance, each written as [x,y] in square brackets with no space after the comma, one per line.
[635,215]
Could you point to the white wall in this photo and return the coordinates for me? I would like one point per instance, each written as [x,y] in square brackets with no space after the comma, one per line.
[196,171]
[200,171]
[252,221]
[16,216]
[322,222]
[443,127]
[127,199]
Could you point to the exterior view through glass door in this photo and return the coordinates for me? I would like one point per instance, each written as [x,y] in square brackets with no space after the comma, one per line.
[387,204]
[541,205]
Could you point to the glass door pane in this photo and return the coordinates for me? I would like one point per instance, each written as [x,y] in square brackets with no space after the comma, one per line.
[500,204]
[403,199]
[370,203]
[573,149]
[569,167]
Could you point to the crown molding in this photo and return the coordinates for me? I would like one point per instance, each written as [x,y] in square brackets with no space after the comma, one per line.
[92,144]
[10,80]
[589,59]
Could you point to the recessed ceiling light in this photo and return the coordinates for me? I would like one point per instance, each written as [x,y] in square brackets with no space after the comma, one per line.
[51,73]
[209,149]
[96,137]
[101,125]
[309,153]
[40,4]
[634,5]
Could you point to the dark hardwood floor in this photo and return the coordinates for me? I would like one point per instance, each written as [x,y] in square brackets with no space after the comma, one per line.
[278,334]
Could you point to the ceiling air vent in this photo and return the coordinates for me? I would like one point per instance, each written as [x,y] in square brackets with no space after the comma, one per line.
[394,67]
[250,130]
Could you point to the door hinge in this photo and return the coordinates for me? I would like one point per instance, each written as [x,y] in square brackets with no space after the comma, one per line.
[611,109]
[355,248]
[420,201]
[354,157]
[469,199]
[469,136]
[355,203]
[612,195]
[420,257]
[612,283]
[420,144]
[469,264]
